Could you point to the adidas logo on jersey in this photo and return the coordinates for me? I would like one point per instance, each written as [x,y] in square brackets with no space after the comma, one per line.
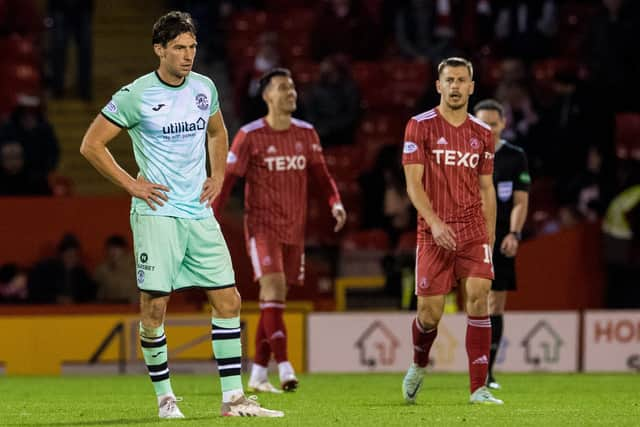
[271,149]
[442,141]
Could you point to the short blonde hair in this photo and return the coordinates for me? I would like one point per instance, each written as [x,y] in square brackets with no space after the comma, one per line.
[455,61]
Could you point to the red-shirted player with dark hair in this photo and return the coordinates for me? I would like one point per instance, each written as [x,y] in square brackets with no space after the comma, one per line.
[448,163]
[276,154]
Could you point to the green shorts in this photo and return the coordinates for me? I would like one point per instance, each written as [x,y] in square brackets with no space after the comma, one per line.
[177,253]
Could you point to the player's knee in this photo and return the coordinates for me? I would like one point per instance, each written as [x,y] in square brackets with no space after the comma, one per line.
[227,305]
[428,319]
[152,311]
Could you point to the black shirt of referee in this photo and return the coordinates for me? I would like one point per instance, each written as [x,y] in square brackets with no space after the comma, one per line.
[510,173]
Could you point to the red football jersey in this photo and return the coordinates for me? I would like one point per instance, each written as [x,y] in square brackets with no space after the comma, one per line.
[275,165]
[453,158]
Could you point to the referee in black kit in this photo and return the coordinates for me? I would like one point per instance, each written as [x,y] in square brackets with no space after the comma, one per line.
[511,179]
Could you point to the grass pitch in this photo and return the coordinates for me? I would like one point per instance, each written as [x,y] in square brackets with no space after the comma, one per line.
[327,400]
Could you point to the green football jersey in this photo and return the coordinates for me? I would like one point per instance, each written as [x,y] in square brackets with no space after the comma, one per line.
[168,125]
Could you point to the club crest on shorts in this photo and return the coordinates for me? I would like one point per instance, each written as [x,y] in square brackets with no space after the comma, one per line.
[423,283]
[409,147]
[266,260]
[202,101]
[140,276]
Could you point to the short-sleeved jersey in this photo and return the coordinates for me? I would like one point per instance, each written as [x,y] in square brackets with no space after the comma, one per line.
[510,173]
[453,159]
[275,166]
[168,128]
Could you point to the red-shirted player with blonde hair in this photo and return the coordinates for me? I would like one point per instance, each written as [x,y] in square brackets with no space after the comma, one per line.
[448,163]
[276,154]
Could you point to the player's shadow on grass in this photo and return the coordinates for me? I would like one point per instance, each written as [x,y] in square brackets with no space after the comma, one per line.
[120,421]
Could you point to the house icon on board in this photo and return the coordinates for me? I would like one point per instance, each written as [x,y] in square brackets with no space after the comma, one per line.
[542,345]
[377,345]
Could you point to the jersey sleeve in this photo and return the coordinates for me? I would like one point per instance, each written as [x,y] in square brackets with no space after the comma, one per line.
[485,164]
[522,180]
[214,106]
[124,108]
[316,156]
[413,147]
[239,154]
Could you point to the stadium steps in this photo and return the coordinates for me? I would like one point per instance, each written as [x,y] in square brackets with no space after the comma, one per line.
[121,52]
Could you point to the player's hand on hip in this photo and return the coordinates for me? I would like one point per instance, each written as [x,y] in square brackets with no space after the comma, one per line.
[509,245]
[340,215]
[153,194]
[443,235]
[210,189]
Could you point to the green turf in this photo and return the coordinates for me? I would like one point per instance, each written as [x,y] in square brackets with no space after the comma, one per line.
[349,400]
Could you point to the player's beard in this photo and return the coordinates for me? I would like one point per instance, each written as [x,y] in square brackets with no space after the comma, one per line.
[461,104]
[289,108]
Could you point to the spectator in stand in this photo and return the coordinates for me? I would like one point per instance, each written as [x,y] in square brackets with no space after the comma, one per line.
[612,63]
[28,126]
[526,28]
[621,228]
[426,30]
[63,278]
[72,19]
[583,190]
[116,275]
[20,17]
[343,26]
[13,284]
[249,97]
[520,113]
[14,178]
[332,104]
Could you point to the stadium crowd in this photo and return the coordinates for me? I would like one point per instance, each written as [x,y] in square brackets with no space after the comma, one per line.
[563,70]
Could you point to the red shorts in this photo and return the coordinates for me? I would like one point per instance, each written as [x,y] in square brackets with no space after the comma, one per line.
[438,270]
[270,256]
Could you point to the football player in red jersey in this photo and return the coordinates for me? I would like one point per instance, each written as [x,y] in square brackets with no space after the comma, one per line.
[276,155]
[448,163]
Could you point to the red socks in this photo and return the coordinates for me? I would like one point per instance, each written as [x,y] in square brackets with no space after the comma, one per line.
[273,329]
[422,341]
[478,344]
[263,349]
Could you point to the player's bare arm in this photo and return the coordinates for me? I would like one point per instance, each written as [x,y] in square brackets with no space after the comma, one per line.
[509,245]
[488,197]
[218,147]
[443,235]
[94,149]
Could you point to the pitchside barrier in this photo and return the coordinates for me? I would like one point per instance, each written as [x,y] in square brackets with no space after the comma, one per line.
[567,341]
[50,345]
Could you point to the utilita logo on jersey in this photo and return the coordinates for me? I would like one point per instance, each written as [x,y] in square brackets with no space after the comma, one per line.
[285,163]
[183,127]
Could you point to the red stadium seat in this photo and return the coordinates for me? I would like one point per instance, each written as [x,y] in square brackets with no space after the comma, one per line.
[296,20]
[249,23]
[19,49]
[305,72]
[366,240]
[407,242]
[295,45]
[628,135]
[344,162]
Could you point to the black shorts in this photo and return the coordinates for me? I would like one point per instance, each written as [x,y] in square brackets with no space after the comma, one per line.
[505,272]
